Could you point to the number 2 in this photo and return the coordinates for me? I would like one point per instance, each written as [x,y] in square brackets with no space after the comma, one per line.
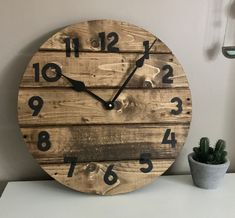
[166,77]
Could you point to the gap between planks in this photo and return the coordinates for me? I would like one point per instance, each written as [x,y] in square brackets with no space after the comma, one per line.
[104,52]
[146,125]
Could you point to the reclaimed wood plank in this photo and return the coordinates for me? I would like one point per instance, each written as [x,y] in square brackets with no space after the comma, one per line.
[130,37]
[66,106]
[105,142]
[98,70]
[89,177]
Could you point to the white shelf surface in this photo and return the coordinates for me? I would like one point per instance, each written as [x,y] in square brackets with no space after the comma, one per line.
[167,197]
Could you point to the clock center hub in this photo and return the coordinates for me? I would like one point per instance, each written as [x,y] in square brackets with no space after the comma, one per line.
[109,105]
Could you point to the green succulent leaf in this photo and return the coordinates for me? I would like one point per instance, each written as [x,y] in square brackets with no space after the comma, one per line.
[220,145]
[206,154]
[211,150]
[204,144]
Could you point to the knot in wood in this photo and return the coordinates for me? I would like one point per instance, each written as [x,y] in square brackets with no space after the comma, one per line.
[148,84]
[118,105]
[91,167]
[94,43]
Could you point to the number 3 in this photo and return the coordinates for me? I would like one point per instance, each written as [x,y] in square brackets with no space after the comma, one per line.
[179,106]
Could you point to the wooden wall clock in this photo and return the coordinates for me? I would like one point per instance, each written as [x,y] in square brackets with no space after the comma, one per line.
[104,107]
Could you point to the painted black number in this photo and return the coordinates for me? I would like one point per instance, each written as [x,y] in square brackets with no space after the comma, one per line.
[102,41]
[73,162]
[110,177]
[179,106]
[36,71]
[145,159]
[35,103]
[169,70]
[75,44]
[146,49]
[44,143]
[53,67]
[113,37]
[172,141]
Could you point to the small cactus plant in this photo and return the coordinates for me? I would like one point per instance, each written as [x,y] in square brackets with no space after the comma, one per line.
[209,155]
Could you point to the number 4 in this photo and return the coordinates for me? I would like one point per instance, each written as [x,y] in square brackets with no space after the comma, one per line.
[172,139]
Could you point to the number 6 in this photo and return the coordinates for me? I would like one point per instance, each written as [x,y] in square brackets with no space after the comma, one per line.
[110,177]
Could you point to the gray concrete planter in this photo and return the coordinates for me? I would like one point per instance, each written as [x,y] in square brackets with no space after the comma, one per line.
[207,176]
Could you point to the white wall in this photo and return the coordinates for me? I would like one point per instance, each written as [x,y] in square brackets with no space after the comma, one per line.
[192,29]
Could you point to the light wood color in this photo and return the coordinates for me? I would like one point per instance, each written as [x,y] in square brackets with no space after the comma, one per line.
[130,37]
[80,127]
[83,109]
[102,70]
[88,177]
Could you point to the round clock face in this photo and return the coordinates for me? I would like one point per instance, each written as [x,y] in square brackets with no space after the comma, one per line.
[104,107]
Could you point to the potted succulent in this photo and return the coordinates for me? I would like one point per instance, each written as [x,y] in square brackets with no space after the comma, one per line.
[208,165]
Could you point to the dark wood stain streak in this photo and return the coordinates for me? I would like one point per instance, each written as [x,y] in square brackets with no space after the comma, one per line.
[105,143]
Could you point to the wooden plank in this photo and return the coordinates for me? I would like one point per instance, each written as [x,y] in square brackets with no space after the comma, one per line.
[100,70]
[89,177]
[105,142]
[66,106]
[130,37]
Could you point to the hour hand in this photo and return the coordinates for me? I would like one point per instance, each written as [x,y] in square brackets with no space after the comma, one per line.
[76,84]
[81,87]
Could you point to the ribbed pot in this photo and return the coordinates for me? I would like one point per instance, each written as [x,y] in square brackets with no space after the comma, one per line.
[207,176]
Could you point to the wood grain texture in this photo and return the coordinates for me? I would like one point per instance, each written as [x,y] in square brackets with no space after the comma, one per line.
[66,106]
[130,37]
[105,142]
[89,177]
[79,126]
[102,70]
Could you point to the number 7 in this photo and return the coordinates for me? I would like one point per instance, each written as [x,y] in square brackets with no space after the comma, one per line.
[73,161]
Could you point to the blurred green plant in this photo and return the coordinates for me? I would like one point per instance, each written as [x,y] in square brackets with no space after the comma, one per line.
[209,155]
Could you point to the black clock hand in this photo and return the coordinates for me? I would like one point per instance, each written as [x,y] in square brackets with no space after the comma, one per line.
[139,63]
[80,86]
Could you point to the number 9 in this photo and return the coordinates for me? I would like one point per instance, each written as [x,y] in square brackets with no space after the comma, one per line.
[35,103]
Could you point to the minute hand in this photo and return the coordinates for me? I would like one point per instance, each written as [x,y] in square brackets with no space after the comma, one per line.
[139,63]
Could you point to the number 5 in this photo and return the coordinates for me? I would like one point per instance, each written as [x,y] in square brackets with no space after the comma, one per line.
[145,159]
